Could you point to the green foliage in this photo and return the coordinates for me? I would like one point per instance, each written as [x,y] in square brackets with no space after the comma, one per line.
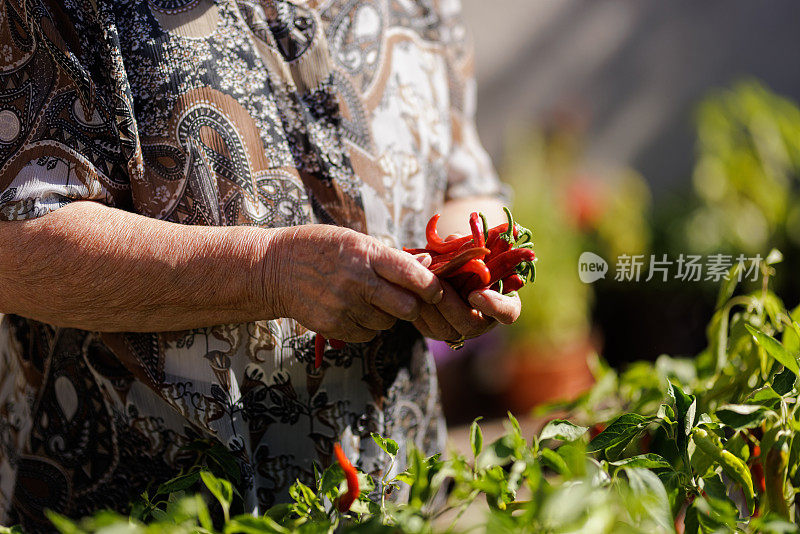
[747,174]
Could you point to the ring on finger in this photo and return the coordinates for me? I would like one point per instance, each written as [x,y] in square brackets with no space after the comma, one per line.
[457,344]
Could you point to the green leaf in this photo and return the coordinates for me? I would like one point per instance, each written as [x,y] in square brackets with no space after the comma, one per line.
[651,496]
[219,488]
[514,423]
[783,383]
[63,524]
[563,430]
[685,409]
[774,256]
[389,446]
[774,349]
[643,461]
[332,478]
[179,483]
[476,437]
[247,524]
[623,429]
[226,461]
[765,396]
[740,416]
[499,452]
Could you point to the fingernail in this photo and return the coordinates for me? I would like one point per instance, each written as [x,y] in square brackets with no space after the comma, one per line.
[425,259]
[475,299]
[437,298]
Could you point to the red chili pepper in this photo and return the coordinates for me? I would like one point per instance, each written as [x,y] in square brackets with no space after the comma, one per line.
[757,472]
[319,350]
[436,243]
[444,258]
[431,234]
[512,282]
[476,226]
[494,233]
[502,266]
[596,429]
[443,270]
[506,263]
[498,240]
[498,247]
[347,499]
[478,268]
[419,251]
[337,344]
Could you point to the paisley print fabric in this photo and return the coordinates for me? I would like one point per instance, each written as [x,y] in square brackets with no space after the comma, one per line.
[229,112]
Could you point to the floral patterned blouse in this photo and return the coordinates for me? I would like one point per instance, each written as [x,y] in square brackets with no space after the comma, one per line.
[267,113]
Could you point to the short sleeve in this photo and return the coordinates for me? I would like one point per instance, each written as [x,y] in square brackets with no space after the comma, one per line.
[64,118]
[470,170]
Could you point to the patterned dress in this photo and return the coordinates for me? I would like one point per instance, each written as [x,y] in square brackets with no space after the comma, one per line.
[229,112]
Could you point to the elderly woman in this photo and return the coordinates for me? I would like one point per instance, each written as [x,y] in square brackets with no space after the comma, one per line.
[189,190]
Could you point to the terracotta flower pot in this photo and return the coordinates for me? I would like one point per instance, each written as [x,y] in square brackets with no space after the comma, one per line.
[540,374]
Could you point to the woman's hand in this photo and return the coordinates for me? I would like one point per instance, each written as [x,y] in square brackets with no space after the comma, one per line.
[344,284]
[452,318]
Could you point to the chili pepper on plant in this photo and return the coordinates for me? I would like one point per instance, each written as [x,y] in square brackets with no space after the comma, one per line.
[347,499]
[730,463]
[775,468]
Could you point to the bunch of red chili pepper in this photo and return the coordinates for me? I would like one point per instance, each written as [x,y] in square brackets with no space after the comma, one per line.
[499,258]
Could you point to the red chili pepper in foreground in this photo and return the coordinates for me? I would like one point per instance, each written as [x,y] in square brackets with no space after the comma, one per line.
[478,268]
[436,244]
[347,499]
[512,283]
[506,263]
[443,270]
[500,267]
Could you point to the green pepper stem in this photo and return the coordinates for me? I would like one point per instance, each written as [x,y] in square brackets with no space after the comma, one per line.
[485,225]
[508,235]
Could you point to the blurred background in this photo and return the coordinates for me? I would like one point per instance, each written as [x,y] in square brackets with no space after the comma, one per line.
[628,127]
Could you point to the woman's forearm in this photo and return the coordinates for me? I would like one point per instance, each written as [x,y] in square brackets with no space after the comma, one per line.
[455,213]
[97,268]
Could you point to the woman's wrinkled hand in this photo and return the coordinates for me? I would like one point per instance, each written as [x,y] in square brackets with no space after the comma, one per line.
[452,318]
[343,284]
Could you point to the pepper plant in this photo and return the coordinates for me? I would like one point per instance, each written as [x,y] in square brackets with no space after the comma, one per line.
[696,445]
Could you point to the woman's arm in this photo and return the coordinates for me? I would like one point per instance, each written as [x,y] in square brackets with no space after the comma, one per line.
[455,213]
[97,268]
